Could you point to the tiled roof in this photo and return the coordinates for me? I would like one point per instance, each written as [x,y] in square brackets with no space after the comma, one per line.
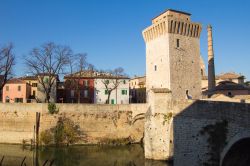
[94,75]
[16,81]
[228,85]
[29,78]
[226,76]
[230,75]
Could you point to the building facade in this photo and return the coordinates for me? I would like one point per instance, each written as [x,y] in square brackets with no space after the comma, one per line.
[173,54]
[120,95]
[231,89]
[45,81]
[16,91]
[137,89]
[79,87]
[230,76]
[33,82]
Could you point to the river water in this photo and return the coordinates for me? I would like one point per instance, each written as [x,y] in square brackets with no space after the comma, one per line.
[131,155]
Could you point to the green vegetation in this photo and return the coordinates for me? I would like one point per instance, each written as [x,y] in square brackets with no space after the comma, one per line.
[167,117]
[46,137]
[64,133]
[217,136]
[117,141]
[52,108]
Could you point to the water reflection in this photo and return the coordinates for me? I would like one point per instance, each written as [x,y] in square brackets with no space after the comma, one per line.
[78,155]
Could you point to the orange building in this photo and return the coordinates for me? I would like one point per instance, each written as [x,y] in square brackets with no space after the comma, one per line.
[16,91]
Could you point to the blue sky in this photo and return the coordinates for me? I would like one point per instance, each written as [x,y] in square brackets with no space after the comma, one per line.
[109,31]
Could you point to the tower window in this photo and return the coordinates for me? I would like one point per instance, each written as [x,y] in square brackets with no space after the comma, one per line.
[177,43]
[229,94]
[155,67]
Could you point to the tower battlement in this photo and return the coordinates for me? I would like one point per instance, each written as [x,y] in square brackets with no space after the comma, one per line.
[172,21]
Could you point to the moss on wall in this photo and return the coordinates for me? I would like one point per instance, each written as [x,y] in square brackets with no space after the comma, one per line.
[217,136]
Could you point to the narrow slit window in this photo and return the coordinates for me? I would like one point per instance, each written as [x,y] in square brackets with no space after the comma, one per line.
[179,28]
[177,43]
[155,67]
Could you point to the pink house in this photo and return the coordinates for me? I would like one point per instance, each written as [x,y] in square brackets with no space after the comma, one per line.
[16,91]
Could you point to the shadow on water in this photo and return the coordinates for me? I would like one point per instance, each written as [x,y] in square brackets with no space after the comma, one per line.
[131,155]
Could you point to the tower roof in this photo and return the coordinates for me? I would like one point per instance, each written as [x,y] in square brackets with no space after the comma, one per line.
[178,11]
[172,10]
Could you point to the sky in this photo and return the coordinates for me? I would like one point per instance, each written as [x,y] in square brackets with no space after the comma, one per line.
[110,31]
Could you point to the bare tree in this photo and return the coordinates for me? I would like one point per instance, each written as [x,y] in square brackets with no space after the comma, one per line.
[112,80]
[78,66]
[47,62]
[7,61]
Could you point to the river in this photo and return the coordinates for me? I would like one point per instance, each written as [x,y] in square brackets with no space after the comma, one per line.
[131,155]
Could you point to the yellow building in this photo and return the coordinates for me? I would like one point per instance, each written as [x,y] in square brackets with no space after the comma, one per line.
[137,87]
[32,81]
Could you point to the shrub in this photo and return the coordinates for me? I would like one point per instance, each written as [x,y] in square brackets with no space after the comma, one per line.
[46,137]
[65,132]
[52,108]
[71,131]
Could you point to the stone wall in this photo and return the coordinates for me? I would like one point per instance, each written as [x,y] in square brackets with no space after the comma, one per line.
[181,130]
[97,122]
[185,72]
[191,145]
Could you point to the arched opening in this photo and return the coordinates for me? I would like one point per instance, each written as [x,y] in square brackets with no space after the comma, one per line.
[238,154]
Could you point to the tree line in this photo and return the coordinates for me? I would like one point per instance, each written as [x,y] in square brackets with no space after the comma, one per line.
[50,60]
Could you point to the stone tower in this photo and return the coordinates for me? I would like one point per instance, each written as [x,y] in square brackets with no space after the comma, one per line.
[173,55]
[211,70]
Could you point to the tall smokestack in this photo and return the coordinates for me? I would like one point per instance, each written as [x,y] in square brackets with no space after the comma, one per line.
[211,70]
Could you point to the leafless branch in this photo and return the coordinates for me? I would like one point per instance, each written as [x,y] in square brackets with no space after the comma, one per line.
[48,61]
[7,61]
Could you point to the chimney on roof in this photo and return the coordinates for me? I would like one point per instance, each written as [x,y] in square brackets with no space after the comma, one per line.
[211,68]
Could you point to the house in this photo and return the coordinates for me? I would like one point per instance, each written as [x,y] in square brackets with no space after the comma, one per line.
[231,89]
[89,87]
[137,89]
[16,91]
[231,76]
[46,80]
[79,87]
[106,82]
[33,82]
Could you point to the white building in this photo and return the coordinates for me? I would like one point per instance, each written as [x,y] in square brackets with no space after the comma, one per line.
[119,95]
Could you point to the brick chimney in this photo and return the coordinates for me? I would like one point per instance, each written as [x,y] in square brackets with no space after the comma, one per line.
[211,70]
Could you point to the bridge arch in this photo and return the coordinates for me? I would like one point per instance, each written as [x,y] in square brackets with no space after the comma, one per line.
[236,144]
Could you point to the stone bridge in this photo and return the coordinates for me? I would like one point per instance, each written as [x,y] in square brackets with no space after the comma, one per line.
[197,132]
